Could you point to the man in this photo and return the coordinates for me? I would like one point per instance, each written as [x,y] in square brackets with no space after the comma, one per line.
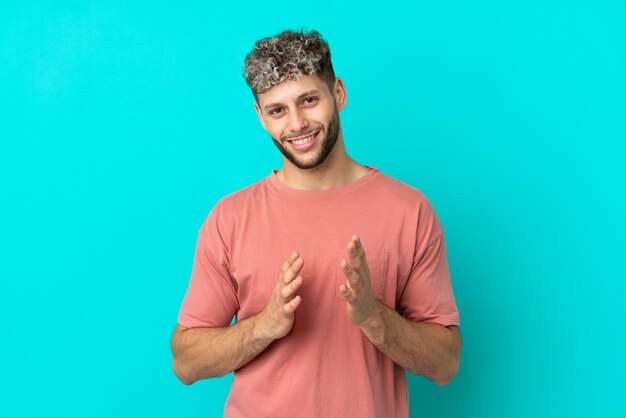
[337,273]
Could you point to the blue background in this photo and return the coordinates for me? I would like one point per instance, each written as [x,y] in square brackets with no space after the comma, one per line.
[122,123]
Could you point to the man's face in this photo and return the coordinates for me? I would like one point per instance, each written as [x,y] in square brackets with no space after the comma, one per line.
[302,118]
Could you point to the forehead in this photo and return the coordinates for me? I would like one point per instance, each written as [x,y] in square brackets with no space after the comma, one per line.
[291,90]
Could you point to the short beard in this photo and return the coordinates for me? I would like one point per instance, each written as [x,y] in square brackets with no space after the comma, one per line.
[330,139]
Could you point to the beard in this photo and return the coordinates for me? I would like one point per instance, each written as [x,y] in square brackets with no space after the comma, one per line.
[328,142]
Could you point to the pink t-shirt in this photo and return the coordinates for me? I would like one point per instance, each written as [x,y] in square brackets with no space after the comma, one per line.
[326,366]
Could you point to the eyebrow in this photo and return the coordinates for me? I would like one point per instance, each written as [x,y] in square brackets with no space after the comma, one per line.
[300,97]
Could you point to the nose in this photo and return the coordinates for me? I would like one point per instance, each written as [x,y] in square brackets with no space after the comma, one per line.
[298,121]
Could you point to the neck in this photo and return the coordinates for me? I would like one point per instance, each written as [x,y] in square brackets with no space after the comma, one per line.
[337,170]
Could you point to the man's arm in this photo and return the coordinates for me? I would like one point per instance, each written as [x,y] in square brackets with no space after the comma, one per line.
[423,348]
[427,349]
[200,353]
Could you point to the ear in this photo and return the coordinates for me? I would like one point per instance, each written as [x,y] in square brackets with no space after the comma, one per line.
[259,113]
[339,91]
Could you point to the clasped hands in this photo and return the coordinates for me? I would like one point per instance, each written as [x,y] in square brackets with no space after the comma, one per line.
[278,316]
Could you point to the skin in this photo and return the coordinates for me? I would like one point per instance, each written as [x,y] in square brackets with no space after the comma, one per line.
[284,113]
[290,110]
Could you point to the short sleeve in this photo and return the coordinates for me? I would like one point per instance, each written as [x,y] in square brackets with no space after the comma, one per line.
[211,297]
[427,295]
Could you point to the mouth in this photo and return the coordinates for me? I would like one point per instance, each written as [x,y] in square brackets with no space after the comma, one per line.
[305,139]
[304,143]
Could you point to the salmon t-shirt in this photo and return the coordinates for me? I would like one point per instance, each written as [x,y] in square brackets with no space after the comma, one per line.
[325,366]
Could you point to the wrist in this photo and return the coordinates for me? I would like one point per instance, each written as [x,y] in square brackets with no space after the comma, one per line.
[260,328]
[373,325]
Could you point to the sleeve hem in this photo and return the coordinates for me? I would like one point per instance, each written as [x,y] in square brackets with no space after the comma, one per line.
[190,322]
[446,320]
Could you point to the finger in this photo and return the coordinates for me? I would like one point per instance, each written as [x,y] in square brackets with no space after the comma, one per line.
[291,307]
[358,261]
[288,291]
[293,257]
[347,294]
[286,265]
[353,277]
[293,271]
[352,255]
[359,247]
[356,255]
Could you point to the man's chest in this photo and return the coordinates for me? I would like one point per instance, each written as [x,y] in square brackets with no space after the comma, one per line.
[262,247]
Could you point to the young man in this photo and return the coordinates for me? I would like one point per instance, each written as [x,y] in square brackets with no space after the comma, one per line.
[337,273]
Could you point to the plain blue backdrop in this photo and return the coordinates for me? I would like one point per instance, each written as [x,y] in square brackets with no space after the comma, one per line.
[122,123]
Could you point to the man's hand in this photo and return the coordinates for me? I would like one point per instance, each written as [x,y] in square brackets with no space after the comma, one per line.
[360,302]
[203,352]
[277,318]
[428,349]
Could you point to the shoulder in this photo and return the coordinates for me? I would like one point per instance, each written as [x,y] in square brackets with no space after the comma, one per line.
[233,205]
[242,197]
[409,204]
[412,208]
[402,195]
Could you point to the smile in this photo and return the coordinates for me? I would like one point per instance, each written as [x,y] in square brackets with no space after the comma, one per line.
[306,143]
[304,140]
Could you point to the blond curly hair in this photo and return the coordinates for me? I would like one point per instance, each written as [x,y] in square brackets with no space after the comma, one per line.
[288,55]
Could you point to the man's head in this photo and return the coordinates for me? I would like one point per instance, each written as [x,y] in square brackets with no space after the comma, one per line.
[296,95]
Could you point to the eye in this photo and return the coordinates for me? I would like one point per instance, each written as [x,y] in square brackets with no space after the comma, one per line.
[275,111]
[310,100]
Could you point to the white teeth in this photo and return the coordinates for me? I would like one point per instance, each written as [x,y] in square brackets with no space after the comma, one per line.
[303,140]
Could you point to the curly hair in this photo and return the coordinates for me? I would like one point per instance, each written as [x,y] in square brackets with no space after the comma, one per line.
[288,55]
